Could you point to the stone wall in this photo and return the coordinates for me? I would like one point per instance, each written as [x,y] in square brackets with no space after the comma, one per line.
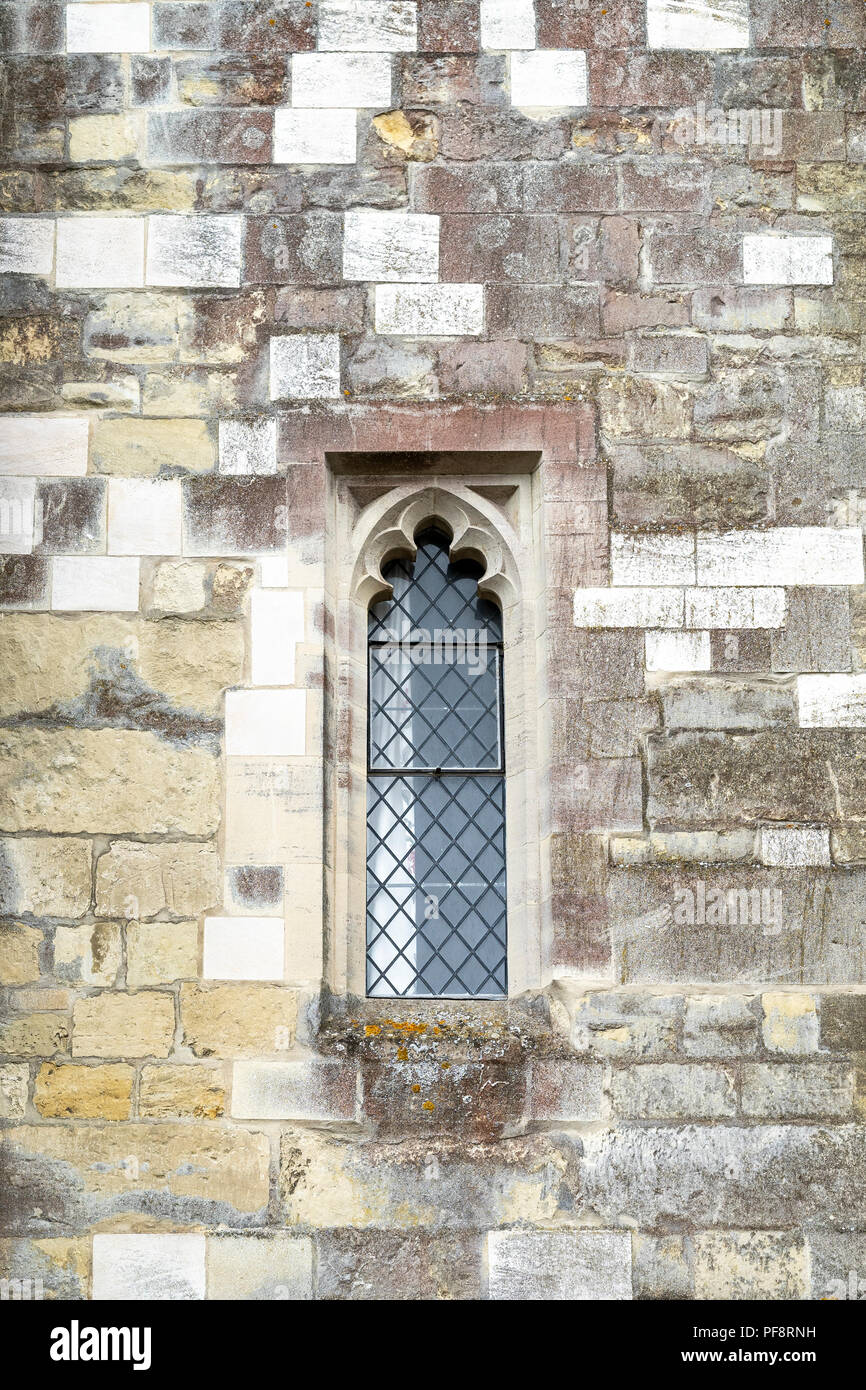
[617,249]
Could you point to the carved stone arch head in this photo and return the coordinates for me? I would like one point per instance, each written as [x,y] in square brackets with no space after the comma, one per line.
[387,529]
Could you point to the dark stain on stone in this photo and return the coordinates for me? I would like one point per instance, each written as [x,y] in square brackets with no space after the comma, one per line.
[119,699]
[259,886]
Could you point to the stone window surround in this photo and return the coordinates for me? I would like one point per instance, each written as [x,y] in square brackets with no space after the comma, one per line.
[365,539]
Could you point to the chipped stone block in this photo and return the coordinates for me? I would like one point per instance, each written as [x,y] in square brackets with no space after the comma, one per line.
[790,1023]
[315,136]
[559,1265]
[144,517]
[69,1092]
[371,26]
[94,584]
[735,608]
[44,877]
[782,555]
[266,723]
[244,948]
[793,847]
[139,1268]
[787,260]
[123,1025]
[108,28]
[678,651]
[507,24]
[750,1265]
[42,445]
[17,515]
[389,246]
[100,252]
[710,25]
[315,1090]
[651,559]
[157,953]
[670,1091]
[35,1035]
[341,80]
[305,367]
[260,1267]
[143,880]
[238,1020]
[26,245]
[548,78]
[194,251]
[276,626]
[631,607]
[14,1085]
[248,446]
[430,310]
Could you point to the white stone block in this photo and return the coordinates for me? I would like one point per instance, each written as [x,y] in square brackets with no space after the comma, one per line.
[194,251]
[100,252]
[276,624]
[507,24]
[792,555]
[44,446]
[727,608]
[144,517]
[560,1265]
[108,28]
[391,246]
[141,1268]
[248,446]
[776,259]
[833,701]
[26,245]
[305,366]
[17,515]
[94,584]
[244,948]
[795,847]
[845,407]
[430,311]
[549,77]
[647,607]
[341,79]
[369,26]
[678,651]
[698,24]
[274,572]
[266,723]
[315,136]
[652,559]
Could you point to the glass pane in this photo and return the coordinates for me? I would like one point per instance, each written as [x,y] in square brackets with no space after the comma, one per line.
[434,706]
[436,905]
[433,592]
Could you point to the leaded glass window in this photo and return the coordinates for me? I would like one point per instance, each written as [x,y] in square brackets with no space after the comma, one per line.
[436,905]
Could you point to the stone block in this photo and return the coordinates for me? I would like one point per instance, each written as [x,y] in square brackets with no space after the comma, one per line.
[194,251]
[26,245]
[236,516]
[315,136]
[240,1020]
[429,310]
[144,517]
[294,1090]
[40,445]
[115,28]
[719,1025]
[137,447]
[123,1025]
[99,252]
[795,555]
[507,24]
[380,26]
[390,246]
[305,367]
[566,1090]
[828,702]
[19,953]
[171,1090]
[69,1092]
[88,954]
[669,1091]
[210,137]
[94,584]
[244,948]
[157,953]
[678,651]
[14,1086]
[631,607]
[698,24]
[787,260]
[341,80]
[260,1267]
[790,1023]
[549,78]
[798,1091]
[266,723]
[44,877]
[750,1265]
[651,559]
